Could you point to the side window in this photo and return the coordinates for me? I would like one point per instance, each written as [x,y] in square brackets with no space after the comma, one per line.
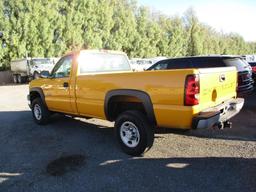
[207,63]
[63,67]
[175,64]
[179,64]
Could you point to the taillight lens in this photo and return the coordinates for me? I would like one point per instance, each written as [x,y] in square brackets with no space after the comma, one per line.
[192,90]
[254,69]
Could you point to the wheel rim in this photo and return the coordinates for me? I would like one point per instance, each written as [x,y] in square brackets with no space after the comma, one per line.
[37,112]
[129,134]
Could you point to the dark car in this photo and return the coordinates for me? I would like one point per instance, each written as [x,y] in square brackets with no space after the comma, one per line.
[253,65]
[245,81]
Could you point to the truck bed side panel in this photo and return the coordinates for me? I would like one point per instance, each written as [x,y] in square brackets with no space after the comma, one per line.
[166,90]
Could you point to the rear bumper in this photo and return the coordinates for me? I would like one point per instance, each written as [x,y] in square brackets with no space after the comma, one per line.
[221,113]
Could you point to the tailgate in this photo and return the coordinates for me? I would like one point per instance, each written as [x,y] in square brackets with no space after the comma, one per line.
[217,85]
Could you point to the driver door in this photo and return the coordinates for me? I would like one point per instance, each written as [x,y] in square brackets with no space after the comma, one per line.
[57,91]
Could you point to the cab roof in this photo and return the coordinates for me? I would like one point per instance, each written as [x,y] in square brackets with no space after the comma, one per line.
[95,51]
[209,57]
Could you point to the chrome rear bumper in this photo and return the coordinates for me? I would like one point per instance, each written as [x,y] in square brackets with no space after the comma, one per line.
[218,114]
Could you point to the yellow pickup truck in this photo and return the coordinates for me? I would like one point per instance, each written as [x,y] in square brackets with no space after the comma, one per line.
[101,84]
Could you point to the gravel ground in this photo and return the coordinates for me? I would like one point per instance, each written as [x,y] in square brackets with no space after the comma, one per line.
[179,161]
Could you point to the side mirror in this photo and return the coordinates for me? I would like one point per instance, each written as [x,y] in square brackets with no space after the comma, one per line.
[45,74]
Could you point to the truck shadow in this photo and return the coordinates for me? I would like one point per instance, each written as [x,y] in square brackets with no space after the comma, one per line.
[244,127]
[27,149]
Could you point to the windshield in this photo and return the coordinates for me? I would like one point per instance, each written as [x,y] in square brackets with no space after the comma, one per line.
[238,63]
[102,62]
[42,62]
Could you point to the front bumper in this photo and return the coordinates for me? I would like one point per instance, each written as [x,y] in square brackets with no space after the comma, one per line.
[218,114]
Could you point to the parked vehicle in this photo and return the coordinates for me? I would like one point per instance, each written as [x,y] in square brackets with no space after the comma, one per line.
[138,64]
[101,84]
[245,81]
[253,65]
[30,68]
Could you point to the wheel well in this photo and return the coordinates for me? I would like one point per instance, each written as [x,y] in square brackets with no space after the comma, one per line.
[119,104]
[34,95]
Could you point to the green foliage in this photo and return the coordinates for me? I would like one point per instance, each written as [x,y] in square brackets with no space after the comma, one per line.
[51,28]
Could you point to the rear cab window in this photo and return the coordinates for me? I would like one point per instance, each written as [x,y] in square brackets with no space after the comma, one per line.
[97,62]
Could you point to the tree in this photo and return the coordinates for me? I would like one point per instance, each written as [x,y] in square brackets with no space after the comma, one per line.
[194,43]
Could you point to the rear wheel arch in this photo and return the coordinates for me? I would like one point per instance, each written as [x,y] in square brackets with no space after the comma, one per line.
[140,95]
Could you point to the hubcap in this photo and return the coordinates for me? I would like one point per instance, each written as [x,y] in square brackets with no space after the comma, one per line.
[129,134]
[37,112]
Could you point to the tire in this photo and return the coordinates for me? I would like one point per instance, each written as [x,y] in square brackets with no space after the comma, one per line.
[134,133]
[19,79]
[15,79]
[40,112]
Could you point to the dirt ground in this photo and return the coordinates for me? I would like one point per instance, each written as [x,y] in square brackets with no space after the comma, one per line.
[36,158]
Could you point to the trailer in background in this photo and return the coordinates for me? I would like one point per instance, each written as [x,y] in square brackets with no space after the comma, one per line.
[24,70]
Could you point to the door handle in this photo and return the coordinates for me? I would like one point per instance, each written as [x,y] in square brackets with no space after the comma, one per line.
[65,84]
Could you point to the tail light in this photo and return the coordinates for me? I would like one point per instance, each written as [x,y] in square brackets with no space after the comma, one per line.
[192,90]
[254,69]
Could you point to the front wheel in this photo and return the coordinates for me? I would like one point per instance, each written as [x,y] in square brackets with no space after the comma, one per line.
[134,132]
[40,112]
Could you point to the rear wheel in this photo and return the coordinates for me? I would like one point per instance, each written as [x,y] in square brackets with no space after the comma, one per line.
[134,132]
[40,112]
